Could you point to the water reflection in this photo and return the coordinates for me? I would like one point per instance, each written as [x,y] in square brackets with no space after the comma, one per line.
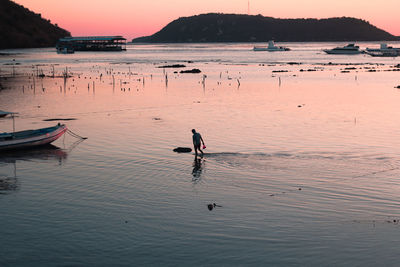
[197,169]
[49,152]
[9,182]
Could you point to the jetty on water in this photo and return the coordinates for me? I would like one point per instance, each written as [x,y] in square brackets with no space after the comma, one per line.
[92,43]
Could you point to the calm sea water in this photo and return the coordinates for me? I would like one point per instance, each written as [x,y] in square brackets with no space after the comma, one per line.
[303,165]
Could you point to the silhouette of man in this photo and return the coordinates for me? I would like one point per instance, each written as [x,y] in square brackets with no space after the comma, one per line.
[197,140]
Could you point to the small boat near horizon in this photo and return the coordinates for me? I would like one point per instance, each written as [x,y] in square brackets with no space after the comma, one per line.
[31,138]
[350,49]
[65,50]
[271,47]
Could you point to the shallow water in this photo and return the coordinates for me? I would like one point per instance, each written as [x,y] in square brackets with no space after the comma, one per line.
[304,164]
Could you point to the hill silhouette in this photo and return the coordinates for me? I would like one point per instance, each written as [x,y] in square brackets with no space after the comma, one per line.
[215,27]
[22,28]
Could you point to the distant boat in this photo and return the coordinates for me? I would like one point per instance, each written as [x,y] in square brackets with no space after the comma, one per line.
[349,49]
[383,51]
[31,138]
[65,50]
[271,47]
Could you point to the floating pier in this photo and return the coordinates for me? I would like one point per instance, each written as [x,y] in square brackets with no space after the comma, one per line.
[92,43]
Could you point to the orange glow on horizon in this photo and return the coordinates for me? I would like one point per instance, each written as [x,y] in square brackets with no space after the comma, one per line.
[140,18]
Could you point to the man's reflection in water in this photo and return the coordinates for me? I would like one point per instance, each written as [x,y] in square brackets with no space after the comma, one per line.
[197,169]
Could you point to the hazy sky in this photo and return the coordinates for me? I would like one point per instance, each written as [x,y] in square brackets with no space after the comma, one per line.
[134,18]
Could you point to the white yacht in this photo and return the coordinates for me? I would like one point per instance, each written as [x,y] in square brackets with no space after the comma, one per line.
[383,51]
[349,49]
[271,47]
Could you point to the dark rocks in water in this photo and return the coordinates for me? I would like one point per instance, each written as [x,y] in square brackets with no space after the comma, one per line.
[183,149]
[61,119]
[280,71]
[172,66]
[191,71]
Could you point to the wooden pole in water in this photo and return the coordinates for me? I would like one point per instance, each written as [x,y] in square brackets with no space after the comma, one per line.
[13,122]
[113,82]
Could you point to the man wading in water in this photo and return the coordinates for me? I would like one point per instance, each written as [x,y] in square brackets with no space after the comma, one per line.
[196,142]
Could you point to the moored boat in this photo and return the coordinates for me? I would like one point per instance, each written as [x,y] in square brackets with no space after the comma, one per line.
[349,49]
[383,51]
[5,113]
[31,138]
[65,50]
[271,47]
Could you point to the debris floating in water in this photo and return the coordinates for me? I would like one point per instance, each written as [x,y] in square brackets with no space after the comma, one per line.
[212,206]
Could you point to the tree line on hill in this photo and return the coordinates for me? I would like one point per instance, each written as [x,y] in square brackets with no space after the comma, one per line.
[22,28]
[214,27]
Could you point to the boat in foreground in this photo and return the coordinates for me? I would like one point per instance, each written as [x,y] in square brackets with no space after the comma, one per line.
[5,113]
[349,49]
[31,138]
[271,47]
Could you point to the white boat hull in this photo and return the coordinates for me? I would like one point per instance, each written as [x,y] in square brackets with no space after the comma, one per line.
[342,52]
[269,50]
[37,140]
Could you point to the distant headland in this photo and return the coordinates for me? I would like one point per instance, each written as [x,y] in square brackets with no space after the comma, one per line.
[22,28]
[215,27]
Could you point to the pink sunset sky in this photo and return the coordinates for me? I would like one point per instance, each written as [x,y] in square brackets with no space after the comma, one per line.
[135,18]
